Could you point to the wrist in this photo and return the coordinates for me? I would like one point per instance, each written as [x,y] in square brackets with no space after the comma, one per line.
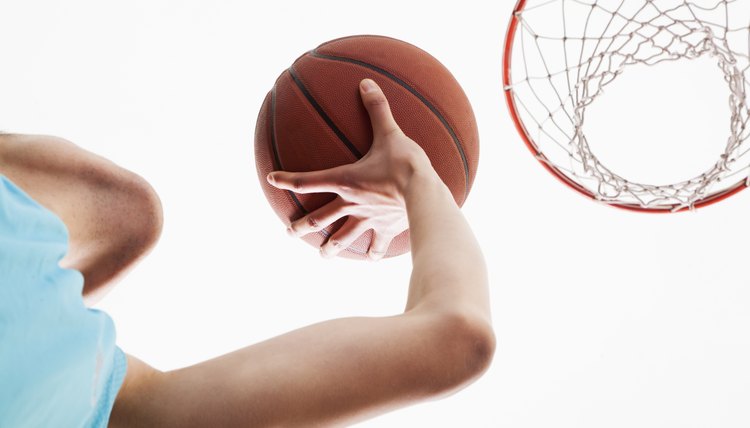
[419,177]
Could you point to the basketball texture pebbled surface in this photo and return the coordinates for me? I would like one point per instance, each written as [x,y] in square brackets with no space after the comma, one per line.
[313,119]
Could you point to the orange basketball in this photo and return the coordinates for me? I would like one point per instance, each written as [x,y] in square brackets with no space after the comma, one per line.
[313,119]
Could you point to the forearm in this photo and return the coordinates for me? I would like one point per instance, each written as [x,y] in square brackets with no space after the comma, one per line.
[449,269]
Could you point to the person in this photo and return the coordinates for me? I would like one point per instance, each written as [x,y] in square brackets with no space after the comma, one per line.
[59,362]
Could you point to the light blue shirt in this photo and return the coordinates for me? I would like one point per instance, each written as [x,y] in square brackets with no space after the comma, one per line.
[59,365]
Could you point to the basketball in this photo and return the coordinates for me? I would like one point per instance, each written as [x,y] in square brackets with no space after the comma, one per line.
[313,118]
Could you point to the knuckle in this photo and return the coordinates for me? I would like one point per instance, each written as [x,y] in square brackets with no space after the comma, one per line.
[312,222]
[328,250]
[377,100]
[298,184]
[375,254]
[331,248]
[293,228]
[346,208]
[347,180]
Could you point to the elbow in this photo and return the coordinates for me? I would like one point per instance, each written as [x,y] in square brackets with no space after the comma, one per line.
[473,342]
[147,219]
[131,214]
[466,345]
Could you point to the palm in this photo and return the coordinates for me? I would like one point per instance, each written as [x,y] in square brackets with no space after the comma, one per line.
[370,191]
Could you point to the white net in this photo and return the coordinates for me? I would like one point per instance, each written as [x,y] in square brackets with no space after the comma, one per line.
[565,52]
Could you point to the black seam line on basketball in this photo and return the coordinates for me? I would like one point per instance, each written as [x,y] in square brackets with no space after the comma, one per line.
[414,92]
[276,150]
[352,148]
[276,158]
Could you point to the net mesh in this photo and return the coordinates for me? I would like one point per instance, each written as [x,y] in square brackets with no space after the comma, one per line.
[565,52]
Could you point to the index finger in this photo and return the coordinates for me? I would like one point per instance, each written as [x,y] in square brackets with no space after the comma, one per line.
[323,181]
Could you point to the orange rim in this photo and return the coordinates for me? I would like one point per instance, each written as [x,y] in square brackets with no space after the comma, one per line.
[509,38]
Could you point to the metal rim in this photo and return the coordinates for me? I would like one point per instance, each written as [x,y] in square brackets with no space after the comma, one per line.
[529,142]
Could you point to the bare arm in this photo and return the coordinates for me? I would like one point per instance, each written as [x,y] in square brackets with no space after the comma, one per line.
[449,270]
[113,216]
[341,371]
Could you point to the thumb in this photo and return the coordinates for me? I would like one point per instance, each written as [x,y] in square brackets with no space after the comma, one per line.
[377,106]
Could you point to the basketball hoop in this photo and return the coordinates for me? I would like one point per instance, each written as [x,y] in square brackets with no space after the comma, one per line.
[560,54]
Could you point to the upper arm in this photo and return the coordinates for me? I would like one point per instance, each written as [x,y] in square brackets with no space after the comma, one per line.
[113,216]
[328,374]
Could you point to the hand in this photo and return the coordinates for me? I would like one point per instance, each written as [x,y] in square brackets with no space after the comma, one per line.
[370,191]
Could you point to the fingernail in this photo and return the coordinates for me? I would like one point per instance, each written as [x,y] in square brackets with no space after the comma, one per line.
[368,85]
[270,178]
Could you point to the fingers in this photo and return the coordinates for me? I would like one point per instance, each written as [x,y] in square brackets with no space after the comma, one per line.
[325,181]
[352,229]
[379,245]
[320,218]
[377,106]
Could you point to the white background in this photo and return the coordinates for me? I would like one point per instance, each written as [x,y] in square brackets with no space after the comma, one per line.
[603,317]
